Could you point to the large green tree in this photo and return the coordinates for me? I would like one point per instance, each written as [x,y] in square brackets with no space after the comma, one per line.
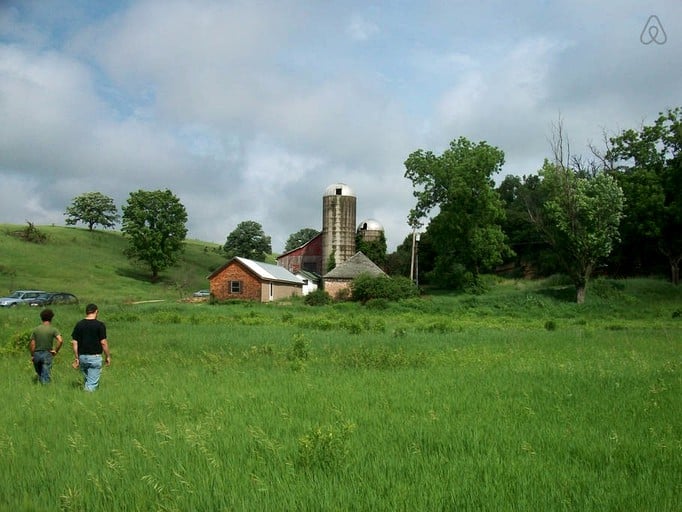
[466,234]
[648,165]
[302,236]
[154,223]
[92,209]
[579,219]
[248,240]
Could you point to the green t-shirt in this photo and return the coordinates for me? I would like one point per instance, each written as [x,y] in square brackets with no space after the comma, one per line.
[44,336]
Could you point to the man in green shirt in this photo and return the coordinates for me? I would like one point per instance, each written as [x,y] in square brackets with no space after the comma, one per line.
[42,345]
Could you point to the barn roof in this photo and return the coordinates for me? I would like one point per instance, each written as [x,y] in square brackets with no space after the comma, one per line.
[353,267]
[319,235]
[265,271]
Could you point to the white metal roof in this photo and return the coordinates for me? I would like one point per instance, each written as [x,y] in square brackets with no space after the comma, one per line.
[269,272]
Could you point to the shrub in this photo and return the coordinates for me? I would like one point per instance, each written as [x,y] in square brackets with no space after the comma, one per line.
[365,288]
[32,234]
[19,341]
[317,297]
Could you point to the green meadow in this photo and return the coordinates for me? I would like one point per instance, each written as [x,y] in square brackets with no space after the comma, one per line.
[513,400]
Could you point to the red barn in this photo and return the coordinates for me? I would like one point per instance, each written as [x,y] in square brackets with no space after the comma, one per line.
[306,257]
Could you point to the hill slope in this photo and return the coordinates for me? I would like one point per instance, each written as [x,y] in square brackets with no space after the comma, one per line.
[92,266]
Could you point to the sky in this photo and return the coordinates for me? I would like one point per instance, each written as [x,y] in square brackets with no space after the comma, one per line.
[249,110]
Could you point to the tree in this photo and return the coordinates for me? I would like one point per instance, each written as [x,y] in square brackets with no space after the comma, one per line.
[581,213]
[375,250]
[248,241]
[154,223]
[466,234]
[92,208]
[648,165]
[532,253]
[301,237]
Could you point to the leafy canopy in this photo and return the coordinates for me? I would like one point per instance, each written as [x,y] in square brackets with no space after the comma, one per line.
[248,240]
[648,165]
[92,209]
[466,233]
[301,237]
[579,219]
[154,223]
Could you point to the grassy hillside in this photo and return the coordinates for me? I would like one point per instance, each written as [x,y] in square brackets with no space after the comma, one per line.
[92,266]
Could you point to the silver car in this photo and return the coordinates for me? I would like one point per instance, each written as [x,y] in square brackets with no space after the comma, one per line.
[19,297]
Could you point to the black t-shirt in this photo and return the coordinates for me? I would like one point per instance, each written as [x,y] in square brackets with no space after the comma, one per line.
[89,334]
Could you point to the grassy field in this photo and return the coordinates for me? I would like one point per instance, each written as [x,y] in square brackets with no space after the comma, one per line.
[92,265]
[514,400]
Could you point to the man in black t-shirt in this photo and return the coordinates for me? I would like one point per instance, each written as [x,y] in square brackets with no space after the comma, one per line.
[89,340]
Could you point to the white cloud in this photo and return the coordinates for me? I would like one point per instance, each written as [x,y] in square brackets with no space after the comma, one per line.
[247,111]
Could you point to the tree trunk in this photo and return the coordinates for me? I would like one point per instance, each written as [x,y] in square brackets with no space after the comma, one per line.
[580,291]
[675,272]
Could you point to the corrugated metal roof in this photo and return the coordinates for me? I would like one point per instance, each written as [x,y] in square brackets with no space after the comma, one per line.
[268,271]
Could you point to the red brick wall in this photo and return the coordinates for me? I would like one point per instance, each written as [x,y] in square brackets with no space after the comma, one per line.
[220,283]
[334,287]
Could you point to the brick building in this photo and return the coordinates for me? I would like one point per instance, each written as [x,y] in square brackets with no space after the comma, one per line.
[245,279]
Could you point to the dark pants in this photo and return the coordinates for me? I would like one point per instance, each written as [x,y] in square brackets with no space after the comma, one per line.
[42,362]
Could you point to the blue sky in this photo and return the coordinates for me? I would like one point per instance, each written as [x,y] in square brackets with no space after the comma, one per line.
[249,110]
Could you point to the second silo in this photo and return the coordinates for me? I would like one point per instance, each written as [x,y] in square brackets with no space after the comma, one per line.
[338,224]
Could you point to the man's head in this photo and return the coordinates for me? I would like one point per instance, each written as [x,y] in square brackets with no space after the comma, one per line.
[90,309]
[46,315]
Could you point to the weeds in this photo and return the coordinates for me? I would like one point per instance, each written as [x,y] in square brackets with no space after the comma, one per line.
[325,447]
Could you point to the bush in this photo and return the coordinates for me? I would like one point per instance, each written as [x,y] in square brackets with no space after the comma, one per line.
[365,288]
[317,297]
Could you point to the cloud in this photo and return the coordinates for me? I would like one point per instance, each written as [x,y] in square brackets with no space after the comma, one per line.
[248,111]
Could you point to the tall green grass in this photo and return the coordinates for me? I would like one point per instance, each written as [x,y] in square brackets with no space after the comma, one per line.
[438,403]
[517,399]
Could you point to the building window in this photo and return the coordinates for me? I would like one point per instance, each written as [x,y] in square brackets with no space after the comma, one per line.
[235,287]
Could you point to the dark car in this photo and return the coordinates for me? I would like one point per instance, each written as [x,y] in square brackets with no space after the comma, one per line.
[53,298]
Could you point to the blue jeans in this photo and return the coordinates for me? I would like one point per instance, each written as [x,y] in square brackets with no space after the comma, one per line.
[91,368]
[42,362]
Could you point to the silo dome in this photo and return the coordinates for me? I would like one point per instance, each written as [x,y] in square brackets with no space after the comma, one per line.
[370,225]
[339,189]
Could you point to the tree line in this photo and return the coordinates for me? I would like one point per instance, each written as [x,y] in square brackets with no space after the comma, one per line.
[620,211]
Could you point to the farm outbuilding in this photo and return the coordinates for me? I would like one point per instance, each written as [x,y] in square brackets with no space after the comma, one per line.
[307,257]
[245,279]
[340,278]
[311,280]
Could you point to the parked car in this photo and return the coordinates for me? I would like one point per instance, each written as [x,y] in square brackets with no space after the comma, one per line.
[49,298]
[19,297]
[202,293]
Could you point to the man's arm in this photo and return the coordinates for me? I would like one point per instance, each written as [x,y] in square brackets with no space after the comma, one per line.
[60,341]
[32,345]
[74,346]
[105,349]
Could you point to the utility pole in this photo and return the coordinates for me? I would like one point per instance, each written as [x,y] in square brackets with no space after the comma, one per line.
[414,261]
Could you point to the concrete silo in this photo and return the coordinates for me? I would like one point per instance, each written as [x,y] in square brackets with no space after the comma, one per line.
[338,224]
[370,230]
